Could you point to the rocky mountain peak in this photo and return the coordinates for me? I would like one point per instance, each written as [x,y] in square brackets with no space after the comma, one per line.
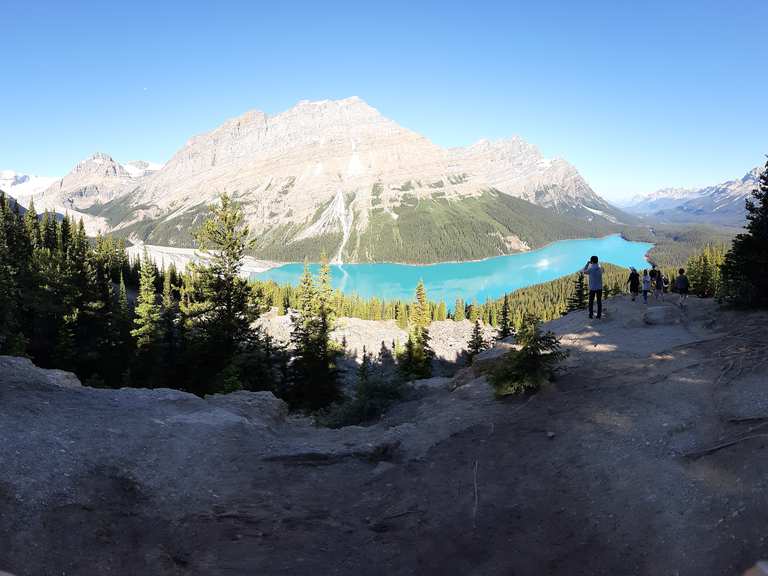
[101,165]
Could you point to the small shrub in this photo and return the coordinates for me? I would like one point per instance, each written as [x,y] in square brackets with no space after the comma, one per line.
[369,403]
[527,368]
[373,396]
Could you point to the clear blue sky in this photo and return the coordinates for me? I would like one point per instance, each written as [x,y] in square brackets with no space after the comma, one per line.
[638,95]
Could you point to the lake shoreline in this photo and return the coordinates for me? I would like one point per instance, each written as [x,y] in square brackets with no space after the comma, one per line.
[487,278]
[275,264]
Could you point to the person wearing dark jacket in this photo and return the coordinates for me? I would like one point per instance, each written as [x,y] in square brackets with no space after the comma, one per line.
[682,285]
[634,283]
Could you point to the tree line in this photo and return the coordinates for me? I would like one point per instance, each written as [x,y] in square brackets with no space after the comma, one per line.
[79,304]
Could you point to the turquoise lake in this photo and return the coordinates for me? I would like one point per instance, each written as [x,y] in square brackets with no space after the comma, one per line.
[468,280]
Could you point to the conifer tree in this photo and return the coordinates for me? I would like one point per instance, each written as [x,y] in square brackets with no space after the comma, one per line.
[49,232]
[314,376]
[225,237]
[745,268]
[476,342]
[123,316]
[147,327]
[421,317]
[416,359]
[64,235]
[505,321]
[442,313]
[458,310]
[474,311]
[8,288]
[32,226]
[578,298]
[386,360]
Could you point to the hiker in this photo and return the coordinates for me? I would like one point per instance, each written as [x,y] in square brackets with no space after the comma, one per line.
[646,285]
[595,273]
[658,286]
[682,285]
[634,282]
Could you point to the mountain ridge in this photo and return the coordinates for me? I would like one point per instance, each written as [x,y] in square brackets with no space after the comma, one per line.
[721,203]
[337,176]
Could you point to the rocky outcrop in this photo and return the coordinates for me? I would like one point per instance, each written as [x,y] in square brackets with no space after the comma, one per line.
[448,338]
[659,315]
[645,423]
[14,369]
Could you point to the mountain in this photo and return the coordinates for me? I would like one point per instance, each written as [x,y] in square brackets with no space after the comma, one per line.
[22,186]
[96,180]
[721,204]
[663,199]
[340,178]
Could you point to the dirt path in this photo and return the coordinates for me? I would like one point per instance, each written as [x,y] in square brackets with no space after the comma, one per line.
[647,457]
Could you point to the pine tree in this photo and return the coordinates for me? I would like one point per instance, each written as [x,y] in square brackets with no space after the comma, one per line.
[64,235]
[416,360]
[364,370]
[32,225]
[8,288]
[745,268]
[442,313]
[225,237]
[147,327]
[505,323]
[458,310]
[578,298]
[401,315]
[386,360]
[314,376]
[49,231]
[530,366]
[421,317]
[169,315]
[474,311]
[123,314]
[476,342]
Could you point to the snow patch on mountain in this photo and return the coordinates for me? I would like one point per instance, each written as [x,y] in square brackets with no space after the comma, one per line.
[141,168]
[22,186]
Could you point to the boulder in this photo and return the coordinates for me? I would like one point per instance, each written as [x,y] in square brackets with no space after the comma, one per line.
[661,315]
[17,369]
[256,407]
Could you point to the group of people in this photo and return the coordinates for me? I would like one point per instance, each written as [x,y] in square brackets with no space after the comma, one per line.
[650,281]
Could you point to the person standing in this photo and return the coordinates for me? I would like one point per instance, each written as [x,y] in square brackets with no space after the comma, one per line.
[646,285]
[682,286]
[595,273]
[658,285]
[634,283]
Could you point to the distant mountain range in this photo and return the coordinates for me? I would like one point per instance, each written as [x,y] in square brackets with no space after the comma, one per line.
[337,177]
[721,204]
